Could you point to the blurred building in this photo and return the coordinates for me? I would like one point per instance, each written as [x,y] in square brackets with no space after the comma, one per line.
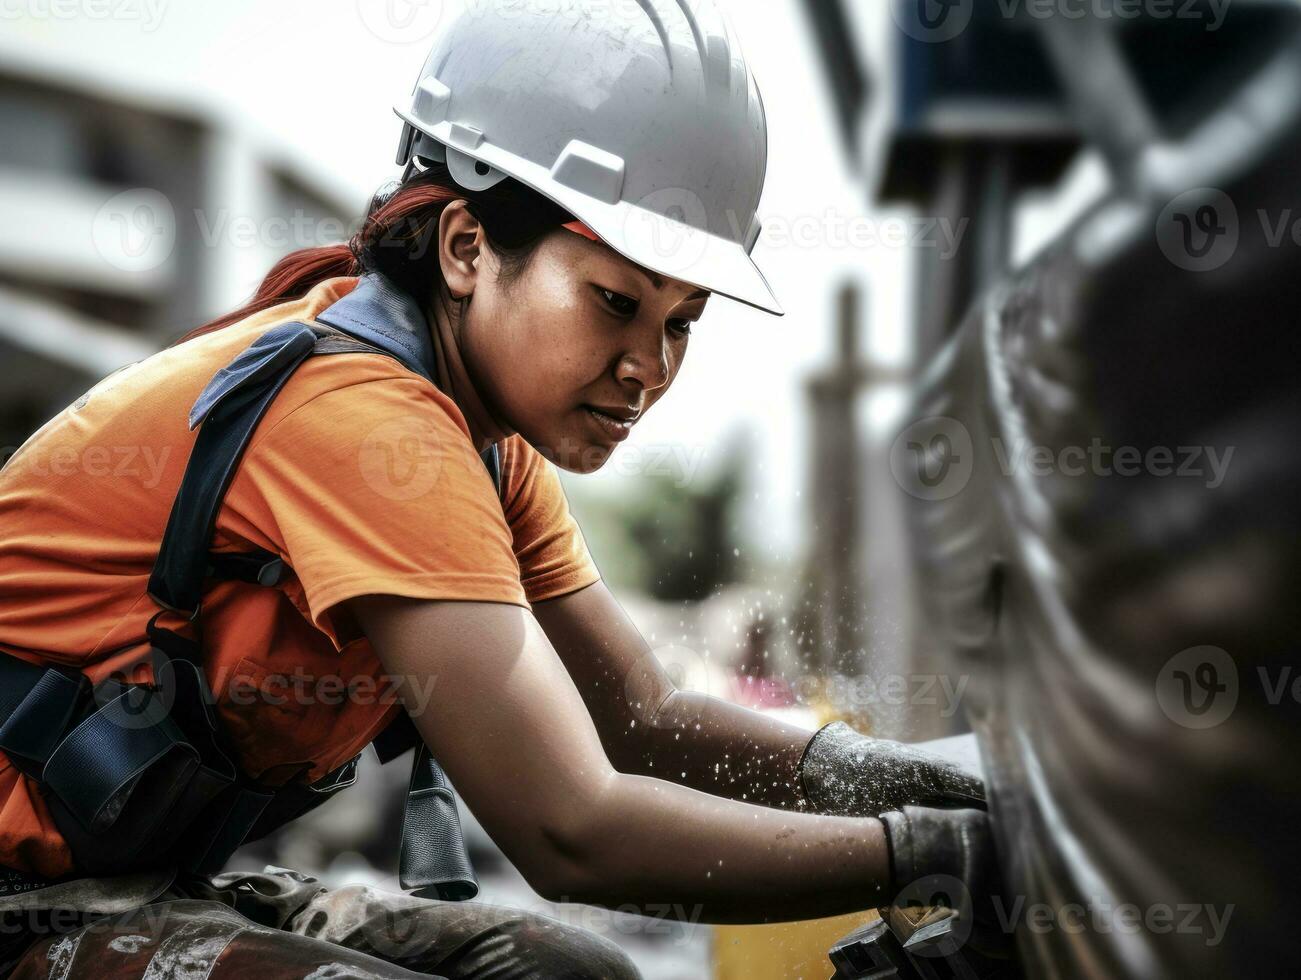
[123,224]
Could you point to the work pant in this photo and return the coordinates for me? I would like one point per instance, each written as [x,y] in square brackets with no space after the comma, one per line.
[279,924]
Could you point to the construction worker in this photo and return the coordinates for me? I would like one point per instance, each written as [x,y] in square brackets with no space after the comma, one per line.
[393,519]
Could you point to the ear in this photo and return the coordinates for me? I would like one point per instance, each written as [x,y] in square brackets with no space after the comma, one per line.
[460,242]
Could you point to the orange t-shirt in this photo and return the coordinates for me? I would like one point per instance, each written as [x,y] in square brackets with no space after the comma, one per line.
[362,476]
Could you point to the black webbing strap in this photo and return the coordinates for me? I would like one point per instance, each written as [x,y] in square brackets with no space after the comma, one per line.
[253,567]
[433,859]
[230,413]
[37,704]
[104,756]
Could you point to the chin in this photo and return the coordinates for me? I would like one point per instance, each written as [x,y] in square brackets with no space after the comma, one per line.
[574,453]
[589,459]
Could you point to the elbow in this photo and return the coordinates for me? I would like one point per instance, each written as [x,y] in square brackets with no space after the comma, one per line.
[566,881]
[569,861]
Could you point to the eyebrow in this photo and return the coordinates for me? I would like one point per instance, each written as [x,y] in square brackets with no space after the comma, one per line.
[658,282]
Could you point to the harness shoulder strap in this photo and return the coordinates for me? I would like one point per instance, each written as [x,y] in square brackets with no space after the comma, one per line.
[374,318]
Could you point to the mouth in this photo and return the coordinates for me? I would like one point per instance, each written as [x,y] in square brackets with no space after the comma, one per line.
[615,424]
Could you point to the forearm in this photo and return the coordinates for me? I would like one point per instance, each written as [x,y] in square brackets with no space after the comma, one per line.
[716,747]
[715,860]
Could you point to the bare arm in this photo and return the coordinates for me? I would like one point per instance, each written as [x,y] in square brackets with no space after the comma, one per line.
[508,725]
[649,727]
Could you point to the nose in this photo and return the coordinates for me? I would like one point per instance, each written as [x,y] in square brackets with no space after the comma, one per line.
[646,361]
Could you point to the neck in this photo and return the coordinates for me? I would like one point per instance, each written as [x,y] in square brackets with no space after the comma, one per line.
[455,381]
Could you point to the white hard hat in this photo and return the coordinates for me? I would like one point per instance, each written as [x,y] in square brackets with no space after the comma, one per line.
[639,117]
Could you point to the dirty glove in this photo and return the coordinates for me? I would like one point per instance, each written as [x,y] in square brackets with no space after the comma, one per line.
[847,774]
[946,858]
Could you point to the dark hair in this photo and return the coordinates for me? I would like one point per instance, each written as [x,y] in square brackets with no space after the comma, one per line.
[398,238]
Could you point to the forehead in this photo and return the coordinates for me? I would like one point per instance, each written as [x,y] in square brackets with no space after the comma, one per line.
[601,252]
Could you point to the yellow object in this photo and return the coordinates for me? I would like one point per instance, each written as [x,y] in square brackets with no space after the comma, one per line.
[787,950]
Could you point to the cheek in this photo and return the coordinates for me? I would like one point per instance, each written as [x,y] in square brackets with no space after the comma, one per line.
[535,361]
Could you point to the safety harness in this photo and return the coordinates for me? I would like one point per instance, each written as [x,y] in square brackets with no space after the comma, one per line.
[141,776]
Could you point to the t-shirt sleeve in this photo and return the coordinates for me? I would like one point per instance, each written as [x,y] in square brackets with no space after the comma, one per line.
[552,554]
[375,488]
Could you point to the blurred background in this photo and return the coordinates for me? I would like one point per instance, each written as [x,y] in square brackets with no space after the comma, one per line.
[157,157]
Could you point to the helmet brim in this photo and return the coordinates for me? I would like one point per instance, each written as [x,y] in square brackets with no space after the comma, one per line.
[647,237]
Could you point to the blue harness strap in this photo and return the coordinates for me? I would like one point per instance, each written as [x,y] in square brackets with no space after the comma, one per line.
[138,776]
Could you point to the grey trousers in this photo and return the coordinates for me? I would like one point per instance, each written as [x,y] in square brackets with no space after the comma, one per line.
[280,924]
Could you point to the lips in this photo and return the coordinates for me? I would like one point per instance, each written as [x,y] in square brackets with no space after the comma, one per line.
[615,423]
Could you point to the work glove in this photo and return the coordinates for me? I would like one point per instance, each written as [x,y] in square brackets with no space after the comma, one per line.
[947,858]
[844,773]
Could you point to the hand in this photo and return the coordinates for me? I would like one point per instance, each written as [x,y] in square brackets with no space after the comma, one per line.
[847,774]
[946,858]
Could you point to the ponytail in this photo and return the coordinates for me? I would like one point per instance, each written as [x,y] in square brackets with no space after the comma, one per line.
[397,239]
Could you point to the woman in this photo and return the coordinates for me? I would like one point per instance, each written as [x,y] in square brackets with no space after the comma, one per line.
[530,253]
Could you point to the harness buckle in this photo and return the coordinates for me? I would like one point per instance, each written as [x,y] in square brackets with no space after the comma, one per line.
[190,617]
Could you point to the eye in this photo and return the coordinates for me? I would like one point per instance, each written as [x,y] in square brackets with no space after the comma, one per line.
[624,306]
[681,327]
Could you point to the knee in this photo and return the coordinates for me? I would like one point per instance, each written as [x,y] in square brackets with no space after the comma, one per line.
[554,949]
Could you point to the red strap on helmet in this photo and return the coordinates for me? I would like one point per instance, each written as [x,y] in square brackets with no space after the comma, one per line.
[581,229]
